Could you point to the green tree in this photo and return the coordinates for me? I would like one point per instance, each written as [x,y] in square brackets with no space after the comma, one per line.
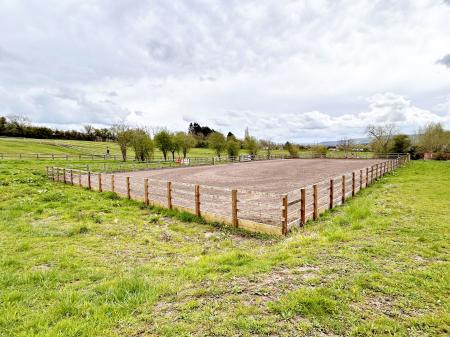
[163,141]
[400,144]
[293,149]
[251,145]
[142,144]
[233,147]
[319,150]
[174,146]
[185,142]
[124,136]
[433,138]
[216,141]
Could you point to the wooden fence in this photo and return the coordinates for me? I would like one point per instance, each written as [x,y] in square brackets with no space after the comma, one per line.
[194,160]
[265,212]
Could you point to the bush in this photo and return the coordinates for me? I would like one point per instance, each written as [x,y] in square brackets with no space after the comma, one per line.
[251,145]
[293,150]
[233,147]
[318,150]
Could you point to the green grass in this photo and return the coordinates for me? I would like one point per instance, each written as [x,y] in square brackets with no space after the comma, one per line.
[75,147]
[75,262]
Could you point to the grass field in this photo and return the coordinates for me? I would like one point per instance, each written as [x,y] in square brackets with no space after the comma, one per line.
[79,263]
[74,147]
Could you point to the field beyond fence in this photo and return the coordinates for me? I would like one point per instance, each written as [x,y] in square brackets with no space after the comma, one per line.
[267,212]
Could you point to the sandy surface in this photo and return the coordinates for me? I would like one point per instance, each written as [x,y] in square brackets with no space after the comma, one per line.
[279,176]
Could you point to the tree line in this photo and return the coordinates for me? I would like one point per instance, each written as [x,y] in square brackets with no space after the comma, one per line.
[431,138]
[384,139]
[19,126]
[180,143]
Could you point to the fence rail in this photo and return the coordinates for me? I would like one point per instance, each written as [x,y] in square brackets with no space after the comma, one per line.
[266,212]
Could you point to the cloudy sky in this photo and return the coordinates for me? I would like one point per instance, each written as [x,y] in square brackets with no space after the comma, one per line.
[289,70]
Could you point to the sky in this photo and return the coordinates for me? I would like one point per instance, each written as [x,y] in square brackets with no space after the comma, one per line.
[303,71]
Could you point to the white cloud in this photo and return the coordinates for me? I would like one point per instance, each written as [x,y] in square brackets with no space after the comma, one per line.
[307,70]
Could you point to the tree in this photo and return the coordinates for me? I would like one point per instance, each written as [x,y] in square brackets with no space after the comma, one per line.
[251,145]
[230,135]
[142,144]
[381,137]
[3,125]
[90,131]
[400,144]
[293,150]
[216,141]
[319,150]
[163,141]
[433,138]
[200,131]
[174,146]
[185,142]
[233,147]
[267,145]
[124,136]
[346,145]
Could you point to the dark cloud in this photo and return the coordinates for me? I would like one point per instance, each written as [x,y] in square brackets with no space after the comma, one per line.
[446,59]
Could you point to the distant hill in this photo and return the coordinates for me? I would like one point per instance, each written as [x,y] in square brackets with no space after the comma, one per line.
[363,141]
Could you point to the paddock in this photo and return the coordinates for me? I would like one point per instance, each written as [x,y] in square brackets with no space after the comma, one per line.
[277,176]
[269,196]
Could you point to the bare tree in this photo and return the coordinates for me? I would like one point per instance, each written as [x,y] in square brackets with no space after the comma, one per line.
[346,145]
[20,120]
[381,136]
[268,145]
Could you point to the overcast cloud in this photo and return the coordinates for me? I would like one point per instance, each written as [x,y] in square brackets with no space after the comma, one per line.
[289,70]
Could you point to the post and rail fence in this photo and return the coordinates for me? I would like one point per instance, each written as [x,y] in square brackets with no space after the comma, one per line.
[266,212]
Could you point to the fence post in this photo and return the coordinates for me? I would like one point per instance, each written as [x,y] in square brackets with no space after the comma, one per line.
[377,172]
[343,188]
[353,183]
[79,177]
[128,188]
[53,173]
[169,195]
[197,200]
[371,174]
[367,176]
[48,174]
[89,179]
[234,208]
[315,210]
[146,191]
[71,177]
[284,215]
[112,183]
[331,193]
[64,174]
[302,207]
[57,174]
[100,182]
[360,179]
